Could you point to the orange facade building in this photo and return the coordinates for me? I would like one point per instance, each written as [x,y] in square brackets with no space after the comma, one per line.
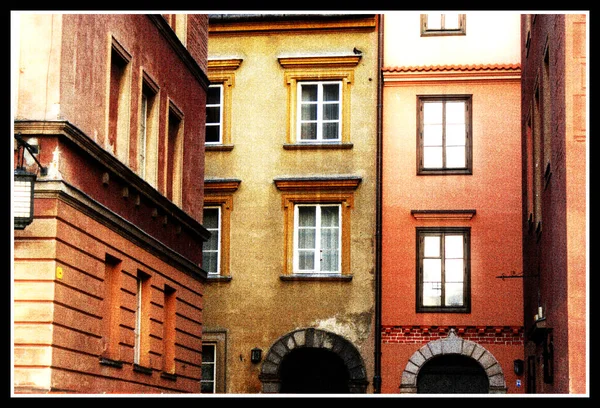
[107,284]
[451,207]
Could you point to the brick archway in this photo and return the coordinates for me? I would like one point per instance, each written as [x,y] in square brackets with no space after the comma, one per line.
[315,338]
[453,345]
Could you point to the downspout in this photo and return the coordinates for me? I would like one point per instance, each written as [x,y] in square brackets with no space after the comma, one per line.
[378,222]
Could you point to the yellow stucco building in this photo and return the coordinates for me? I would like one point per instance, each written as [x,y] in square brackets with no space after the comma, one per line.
[291,148]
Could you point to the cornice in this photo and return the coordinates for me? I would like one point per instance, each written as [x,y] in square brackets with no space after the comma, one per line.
[215,186]
[230,64]
[113,166]
[165,29]
[60,190]
[432,73]
[266,24]
[320,61]
[324,183]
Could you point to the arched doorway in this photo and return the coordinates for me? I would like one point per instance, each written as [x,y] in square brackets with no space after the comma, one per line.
[313,371]
[452,374]
[448,347]
[298,361]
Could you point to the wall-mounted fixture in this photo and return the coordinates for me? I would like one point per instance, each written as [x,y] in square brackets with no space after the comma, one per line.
[518,367]
[24,182]
[255,355]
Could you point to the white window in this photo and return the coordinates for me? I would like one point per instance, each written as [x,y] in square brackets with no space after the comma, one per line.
[317,238]
[209,369]
[443,24]
[211,250]
[214,114]
[320,111]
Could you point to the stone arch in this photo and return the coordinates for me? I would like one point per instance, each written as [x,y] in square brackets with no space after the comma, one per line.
[315,338]
[453,345]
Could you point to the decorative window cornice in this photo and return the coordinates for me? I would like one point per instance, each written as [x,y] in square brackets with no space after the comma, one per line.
[443,214]
[346,183]
[321,61]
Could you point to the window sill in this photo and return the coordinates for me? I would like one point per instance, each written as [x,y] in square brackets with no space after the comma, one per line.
[318,145]
[218,147]
[168,376]
[141,369]
[443,310]
[110,362]
[335,277]
[218,278]
[444,172]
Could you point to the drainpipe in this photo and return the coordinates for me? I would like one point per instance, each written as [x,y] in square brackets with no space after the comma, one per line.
[378,222]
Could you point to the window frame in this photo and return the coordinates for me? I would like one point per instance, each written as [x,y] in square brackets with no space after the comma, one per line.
[318,190]
[468,168]
[318,231]
[421,232]
[221,87]
[426,32]
[319,121]
[220,239]
[318,68]
[223,71]
[214,370]
[219,193]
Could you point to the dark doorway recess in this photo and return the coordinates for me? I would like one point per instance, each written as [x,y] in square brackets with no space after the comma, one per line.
[452,374]
[313,371]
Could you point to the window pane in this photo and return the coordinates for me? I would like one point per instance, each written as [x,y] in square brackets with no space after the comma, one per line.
[309,92]
[308,131]
[432,294]
[432,113]
[306,238]
[451,21]
[454,270]
[307,216]
[331,111]
[434,21]
[432,270]
[329,261]
[213,114]
[309,111]
[455,135]
[455,157]
[454,246]
[454,294]
[331,92]
[212,134]
[455,112]
[432,157]
[207,388]
[330,216]
[432,246]
[432,135]
[329,239]
[306,260]
[211,218]
[213,96]
[331,131]
[210,262]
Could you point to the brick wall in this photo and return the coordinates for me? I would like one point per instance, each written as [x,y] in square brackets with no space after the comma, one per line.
[198,38]
[500,335]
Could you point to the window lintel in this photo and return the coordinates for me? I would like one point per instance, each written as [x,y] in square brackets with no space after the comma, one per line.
[320,61]
[348,183]
[443,214]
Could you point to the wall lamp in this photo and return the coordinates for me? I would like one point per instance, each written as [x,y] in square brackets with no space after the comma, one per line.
[255,355]
[24,182]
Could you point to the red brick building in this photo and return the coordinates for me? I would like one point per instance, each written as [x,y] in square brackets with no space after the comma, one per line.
[107,284]
[554,145]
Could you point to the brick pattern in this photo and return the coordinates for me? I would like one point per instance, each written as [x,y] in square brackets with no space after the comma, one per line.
[504,335]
